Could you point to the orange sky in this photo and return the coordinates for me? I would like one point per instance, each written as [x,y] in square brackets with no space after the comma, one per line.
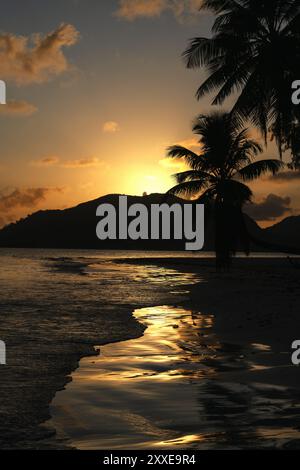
[95,95]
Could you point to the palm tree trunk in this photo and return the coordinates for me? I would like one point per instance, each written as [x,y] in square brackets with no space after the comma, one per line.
[230,233]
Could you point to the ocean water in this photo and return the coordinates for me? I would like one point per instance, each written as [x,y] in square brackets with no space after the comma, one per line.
[55,278]
[161,390]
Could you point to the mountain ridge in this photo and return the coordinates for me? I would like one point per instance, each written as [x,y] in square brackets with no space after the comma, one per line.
[75,227]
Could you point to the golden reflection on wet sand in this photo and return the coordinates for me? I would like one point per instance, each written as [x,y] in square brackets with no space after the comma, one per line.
[162,353]
[140,392]
[164,390]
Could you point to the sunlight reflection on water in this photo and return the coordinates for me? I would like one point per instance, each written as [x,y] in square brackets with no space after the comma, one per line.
[140,392]
[177,386]
[171,388]
[160,391]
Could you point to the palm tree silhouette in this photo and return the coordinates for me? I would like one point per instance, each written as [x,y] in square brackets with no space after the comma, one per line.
[254,51]
[217,177]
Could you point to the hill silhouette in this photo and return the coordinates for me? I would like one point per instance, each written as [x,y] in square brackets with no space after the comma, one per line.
[76,228]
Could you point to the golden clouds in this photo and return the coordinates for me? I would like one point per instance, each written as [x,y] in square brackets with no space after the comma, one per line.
[133,9]
[36,58]
[46,161]
[74,163]
[13,202]
[28,197]
[17,108]
[110,127]
[82,163]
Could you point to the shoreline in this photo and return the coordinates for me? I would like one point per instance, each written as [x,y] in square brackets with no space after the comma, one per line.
[248,305]
[27,394]
[44,348]
[257,301]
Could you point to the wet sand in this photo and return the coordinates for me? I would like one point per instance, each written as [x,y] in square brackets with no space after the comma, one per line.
[257,303]
[53,312]
[194,380]
[40,358]
[129,396]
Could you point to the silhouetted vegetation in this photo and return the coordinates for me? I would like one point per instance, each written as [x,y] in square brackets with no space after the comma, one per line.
[217,177]
[254,52]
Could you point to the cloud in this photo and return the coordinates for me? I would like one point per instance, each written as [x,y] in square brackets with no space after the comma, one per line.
[46,161]
[83,162]
[110,127]
[17,108]
[282,176]
[27,197]
[76,163]
[270,208]
[35,58]
[133,9]
[13,202]
[174,164]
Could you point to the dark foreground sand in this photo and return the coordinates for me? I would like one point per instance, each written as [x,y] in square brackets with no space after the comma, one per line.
[257,302]
[40,363]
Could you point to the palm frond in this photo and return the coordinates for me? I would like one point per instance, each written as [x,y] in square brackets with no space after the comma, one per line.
[200,51]
[254,51]
[178,151]
[219,5]
[256,169]
[188,189]
[196,162]
[193,175]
